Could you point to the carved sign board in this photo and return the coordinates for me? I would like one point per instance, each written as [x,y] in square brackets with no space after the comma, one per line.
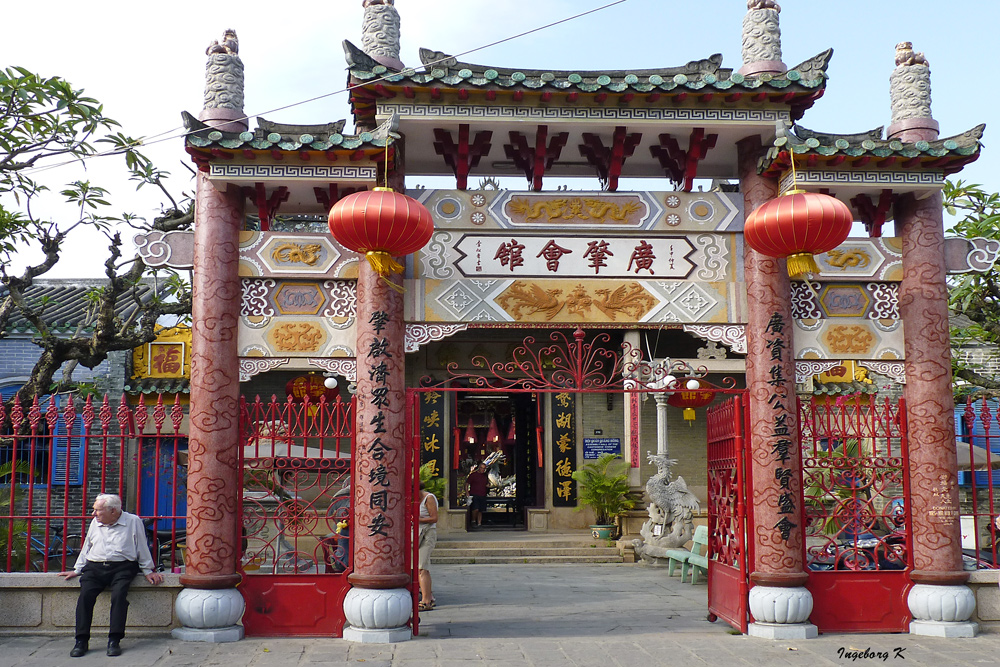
[482,255]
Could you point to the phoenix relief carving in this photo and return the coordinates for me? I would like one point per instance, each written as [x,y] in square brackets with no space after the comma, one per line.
[523,300]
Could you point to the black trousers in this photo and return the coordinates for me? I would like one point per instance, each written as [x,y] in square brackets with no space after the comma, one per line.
[93,580]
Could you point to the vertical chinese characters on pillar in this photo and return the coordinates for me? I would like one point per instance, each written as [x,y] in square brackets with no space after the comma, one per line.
[432,438]
[563,450]
[378,476]
[781,435]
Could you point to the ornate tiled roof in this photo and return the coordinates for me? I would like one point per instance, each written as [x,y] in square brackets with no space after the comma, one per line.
[158,386]
[948,155]
[707,75]
[279,136]
[64,304]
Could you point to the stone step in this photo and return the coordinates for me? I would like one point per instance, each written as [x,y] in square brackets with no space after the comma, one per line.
[512,560]
[520,544]
[476,552]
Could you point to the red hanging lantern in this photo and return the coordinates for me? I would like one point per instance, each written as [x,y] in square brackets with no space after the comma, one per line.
[691,396]
[798,225]
[381,224]
[309,385]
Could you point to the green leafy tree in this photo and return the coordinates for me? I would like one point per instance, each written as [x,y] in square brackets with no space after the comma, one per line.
[975,297]
[45,122]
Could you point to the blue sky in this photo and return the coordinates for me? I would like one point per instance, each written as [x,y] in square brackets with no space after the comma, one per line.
[146,67]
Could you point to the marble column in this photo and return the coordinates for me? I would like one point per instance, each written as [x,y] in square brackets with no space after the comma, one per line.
[940,602]
[779,601]
[662,444]
[209,607]
[378,606]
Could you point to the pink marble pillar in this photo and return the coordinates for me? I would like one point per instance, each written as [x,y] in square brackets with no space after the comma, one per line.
[213,465]
[380,477]
[378,607]
[923,305]
[778,527]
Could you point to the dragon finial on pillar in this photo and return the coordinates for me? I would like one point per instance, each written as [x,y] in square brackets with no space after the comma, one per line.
[223,107]
[910,97]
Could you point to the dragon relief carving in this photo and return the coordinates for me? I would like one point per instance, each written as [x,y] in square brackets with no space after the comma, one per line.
[522,300]
[574,208]
[294,253]
[844,259]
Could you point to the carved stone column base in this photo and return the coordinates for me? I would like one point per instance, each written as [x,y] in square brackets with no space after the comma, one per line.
[763,67]
[209,615]
[914,129]
[781,613]
[942,611]
[377,616]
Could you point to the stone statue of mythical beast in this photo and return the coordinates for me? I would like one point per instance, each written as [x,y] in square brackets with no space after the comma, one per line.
[671,513]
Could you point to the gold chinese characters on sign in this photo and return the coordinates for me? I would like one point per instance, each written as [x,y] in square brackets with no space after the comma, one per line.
[169,356]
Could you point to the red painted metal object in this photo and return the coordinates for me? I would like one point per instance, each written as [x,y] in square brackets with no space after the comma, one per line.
[856,499]
[978,461]
[728,572]
[296,510]
[61,452]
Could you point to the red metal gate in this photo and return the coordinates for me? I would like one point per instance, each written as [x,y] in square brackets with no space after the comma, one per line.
[855,481]
[296,511]
[728,577]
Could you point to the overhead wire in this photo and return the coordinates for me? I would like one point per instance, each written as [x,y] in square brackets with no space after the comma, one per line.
[169,135]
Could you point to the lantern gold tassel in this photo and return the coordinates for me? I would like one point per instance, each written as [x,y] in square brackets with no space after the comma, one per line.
[801,263]
[385,265]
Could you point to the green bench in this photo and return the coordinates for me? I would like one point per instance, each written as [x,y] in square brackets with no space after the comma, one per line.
[698,560]
[683,557]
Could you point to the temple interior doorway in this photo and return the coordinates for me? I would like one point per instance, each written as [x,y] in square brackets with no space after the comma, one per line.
[499,430]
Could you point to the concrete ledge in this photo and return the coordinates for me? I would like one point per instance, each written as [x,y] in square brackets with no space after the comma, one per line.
[984,586]
[45,604]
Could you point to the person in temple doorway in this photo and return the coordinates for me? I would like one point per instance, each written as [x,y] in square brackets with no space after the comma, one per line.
[477,486]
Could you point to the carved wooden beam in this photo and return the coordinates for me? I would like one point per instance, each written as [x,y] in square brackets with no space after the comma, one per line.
[462,156]
[874,215]
[535,162]
[267,207]
[680,166]
[609,161]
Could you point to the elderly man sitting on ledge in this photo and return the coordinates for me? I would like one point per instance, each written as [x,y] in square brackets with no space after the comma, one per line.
[113,552]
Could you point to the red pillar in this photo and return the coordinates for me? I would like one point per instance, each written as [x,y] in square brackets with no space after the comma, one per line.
[379,606]
[209,608]
[779,602]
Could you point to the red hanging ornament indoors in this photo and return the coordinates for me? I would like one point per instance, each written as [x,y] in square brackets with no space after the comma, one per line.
[493,435]
[798,225]
[381,224]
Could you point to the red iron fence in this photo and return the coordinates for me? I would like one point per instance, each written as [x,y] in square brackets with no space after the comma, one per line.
[978,428]
[60,452]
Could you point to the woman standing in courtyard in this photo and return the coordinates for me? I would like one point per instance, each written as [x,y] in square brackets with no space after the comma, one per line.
[428,538]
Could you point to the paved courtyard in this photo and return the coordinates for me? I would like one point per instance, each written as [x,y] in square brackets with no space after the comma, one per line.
[506,616]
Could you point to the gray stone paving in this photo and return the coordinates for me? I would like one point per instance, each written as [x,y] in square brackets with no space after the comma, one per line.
[537,616]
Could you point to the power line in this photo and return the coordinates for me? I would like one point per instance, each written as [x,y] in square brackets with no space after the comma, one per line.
[169,135]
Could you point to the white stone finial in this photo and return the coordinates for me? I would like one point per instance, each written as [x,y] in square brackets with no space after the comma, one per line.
[380,32]
[762,39]
[910,96]
[223,106]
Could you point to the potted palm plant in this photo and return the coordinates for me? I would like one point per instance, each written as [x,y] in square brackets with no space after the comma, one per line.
[603,486]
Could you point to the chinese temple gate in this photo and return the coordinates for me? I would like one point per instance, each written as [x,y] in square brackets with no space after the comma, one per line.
[664,272]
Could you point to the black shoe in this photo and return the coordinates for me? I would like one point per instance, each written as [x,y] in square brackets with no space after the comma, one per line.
[79,649]
[114,648]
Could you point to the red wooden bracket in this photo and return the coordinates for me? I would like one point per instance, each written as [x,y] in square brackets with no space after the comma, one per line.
[681,166]
[462,156]
[267,207]
[609,161]
[333,194]
[535,162]
[874,215]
